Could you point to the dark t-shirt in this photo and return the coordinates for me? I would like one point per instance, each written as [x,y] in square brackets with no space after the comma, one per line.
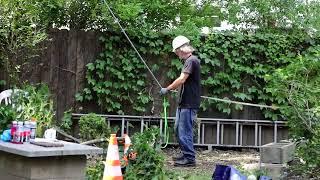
[189,94]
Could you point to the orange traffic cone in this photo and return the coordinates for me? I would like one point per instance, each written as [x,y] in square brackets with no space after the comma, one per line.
[112,170]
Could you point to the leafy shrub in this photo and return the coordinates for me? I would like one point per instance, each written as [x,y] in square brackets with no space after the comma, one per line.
[149,163]
[34,102]
[93,126]
[7,115]
[20,32]
[297,90]
[66,121]
[310,155]
[95,169]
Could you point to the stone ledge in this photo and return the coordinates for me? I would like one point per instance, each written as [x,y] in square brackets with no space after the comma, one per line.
[30,150]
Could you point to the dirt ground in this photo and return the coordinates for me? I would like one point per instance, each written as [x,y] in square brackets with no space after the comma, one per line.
[206,161]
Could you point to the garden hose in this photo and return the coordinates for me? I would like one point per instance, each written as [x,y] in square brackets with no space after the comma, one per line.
[165,104]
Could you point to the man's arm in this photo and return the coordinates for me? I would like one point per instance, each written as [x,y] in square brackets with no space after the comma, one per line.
[179,81]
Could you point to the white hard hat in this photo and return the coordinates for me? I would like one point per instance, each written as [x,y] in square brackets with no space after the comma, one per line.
[178,42]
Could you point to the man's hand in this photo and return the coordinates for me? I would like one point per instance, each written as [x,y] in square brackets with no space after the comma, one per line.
[164,91]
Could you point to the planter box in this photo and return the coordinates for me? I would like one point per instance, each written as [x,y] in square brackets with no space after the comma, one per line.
[277,153]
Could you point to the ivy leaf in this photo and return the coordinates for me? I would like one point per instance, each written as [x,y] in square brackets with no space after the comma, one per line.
[90,66]
[79,97]
[242,96]
[176,63]
[238,107]
[226,110]
[155,67]
[108,84]
[143,50]
[140,82]
[100,74]
[102,39]
[235,53]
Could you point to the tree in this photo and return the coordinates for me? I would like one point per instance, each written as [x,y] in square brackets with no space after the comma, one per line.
[20,32]
[296,88]
[274,15]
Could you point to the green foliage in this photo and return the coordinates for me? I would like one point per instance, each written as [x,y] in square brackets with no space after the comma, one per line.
[296,88]
[34,102]
[255,172]
[95,169]
[309,153]
[122,83]
[274,15]
[20,31]
[2,82]
[66,121]
[137,16]
[149,163]
[93,126]
[118,84]
[7,115]
[234,66]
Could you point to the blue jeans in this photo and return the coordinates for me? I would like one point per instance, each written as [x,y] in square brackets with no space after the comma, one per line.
[183,126]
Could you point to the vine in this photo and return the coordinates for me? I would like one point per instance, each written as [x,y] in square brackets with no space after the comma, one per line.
[234,66]
[118,79]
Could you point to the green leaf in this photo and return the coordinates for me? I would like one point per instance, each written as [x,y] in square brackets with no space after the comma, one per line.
[90,66]
[242,96]
[79,97]
[140,82]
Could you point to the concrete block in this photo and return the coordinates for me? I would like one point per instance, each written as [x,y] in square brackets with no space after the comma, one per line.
[12,165]
[15,167]
[30,162]
[277,153]
[66,167]
[275,171]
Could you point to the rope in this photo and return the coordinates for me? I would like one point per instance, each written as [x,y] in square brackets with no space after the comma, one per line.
[166,131]
[242,103]
[153,76]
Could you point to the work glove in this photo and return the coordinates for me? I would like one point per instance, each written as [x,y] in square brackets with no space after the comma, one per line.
[164,91]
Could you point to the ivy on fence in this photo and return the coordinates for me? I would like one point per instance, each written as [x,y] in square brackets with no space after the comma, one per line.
[234,66]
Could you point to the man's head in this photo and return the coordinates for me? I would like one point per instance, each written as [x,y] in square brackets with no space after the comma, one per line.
[181,47]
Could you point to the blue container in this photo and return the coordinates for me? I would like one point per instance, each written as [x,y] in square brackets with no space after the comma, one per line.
[6,135]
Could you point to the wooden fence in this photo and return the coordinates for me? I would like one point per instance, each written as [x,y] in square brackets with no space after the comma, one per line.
[61,65]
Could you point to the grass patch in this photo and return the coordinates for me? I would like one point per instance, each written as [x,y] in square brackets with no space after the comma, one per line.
[192,174]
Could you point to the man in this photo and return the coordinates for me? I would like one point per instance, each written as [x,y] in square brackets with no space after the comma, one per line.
[189,99]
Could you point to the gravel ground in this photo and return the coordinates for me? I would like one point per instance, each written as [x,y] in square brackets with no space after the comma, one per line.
[206,161]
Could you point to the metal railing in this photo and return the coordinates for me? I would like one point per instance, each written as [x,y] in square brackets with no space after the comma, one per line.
[202,123]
